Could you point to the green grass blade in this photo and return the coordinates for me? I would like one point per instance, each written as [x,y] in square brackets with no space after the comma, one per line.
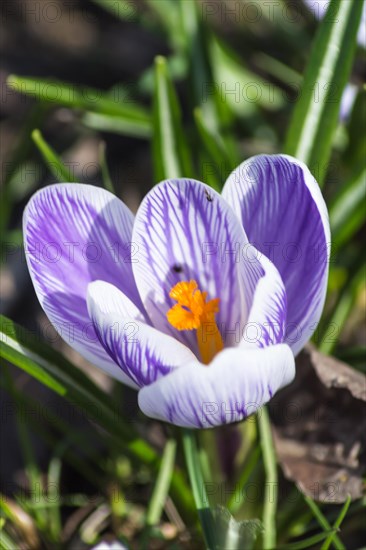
[270,467]
[30,463]
[162,484]
[58,428]
[279,70]
[198,486]
[88,99]
[107,181]
[218,156]
[347,211]
[167,13]
[82,392]
[243,90]
[53,161]
[328,337]
[236,500]
[211,140]
[18,517]
[6,542]
[23,148]
[197,41]
[170,152]
[307,543]
[14,353]
[355,153]
[117,125]
[323,522]
[316,113]
[79,388]
[337,524]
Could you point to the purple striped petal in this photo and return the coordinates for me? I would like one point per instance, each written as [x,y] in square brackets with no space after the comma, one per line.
[231,388]
[143,353]
[266,325]
[285,217]
[74,234]
[184,230]
[109,299]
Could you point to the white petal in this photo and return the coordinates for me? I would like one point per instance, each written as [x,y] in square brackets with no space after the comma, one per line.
[143,353]
[109,299]
[232,387]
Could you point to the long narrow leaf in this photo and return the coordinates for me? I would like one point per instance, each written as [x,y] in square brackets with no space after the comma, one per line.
[347,212]
[30,464]
[270,467]
[167,13]
[236,500]
[307,543]
[88,99]
[117,125]
[219,158]
[316,112]
[57,428]
[163,480]
[81,391]
[51,158]
[197,41]
[6,542]
[323,522]
[198,486]
[337,524]
[328,338]
[170,152]
[107,180]
[14,353]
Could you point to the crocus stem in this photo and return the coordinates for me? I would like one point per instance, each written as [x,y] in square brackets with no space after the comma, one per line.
[198,486]
[270,467]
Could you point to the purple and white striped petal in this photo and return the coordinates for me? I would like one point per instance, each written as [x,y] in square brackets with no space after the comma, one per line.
[284,214]
[74,234]
[232,387]
[110,300]
[184,230]
[266,324]
[143,353]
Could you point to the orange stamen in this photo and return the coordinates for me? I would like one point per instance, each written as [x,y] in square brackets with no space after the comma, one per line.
[194,312]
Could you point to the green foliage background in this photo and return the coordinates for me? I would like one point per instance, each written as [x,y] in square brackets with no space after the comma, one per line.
[226,89]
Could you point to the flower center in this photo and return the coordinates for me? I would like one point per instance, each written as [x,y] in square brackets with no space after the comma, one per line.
[194,312]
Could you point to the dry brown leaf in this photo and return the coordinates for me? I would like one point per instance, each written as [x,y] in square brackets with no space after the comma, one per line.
[319,425]
[336,374]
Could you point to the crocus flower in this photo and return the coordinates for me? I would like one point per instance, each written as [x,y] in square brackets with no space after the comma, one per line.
[202,300]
